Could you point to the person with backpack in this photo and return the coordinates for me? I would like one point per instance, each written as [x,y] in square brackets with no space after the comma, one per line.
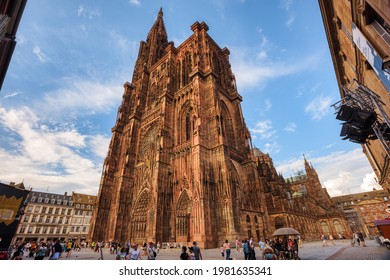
[150,251]
[135,253]
[269,254]
[246,249]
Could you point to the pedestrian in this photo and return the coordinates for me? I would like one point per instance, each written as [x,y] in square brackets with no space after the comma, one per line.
[269,254]
[151,253]
[356,238]
[32,249]
[262,247]
[121,255]
[331,240]
[246,249]
[252,254]
[168,246]
[40,251]
[68,250]
[158,248]
[197,252]
[237,245]
[222,252]
[127,247]
[191,253]
[57,250]
[135,253]
[184,255]
[300,241]
[361,239]
[226,247]
[18,254]
[324,242]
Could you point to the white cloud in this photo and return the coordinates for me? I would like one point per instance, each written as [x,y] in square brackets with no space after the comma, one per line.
[263,129]
[271,148]
[286,6]
[256,73]
[369,183]
[11,94]
[338,185]
[41,56]
[124,45]
[319,107]
[87,12]
[340,172]
[135,3]
[47,156]
[83,97]
[268,105]
[328,146]
[290,127]
[99,145]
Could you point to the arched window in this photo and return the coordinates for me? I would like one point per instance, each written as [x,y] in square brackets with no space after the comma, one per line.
[338,227]
[325,228]
[188,126]
[227,126]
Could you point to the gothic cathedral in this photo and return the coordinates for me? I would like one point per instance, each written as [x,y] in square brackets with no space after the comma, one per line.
[180,165]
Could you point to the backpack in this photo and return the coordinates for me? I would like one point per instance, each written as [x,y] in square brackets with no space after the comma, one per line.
[153,253]
[268,256]
[246,247]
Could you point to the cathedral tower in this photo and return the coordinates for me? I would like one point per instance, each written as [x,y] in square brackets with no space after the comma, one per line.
[180,166]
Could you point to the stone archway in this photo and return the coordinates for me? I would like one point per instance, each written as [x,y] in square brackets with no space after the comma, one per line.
[325,228]
[183,218]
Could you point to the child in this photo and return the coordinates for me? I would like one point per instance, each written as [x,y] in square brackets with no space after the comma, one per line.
[184,255]
[223,252]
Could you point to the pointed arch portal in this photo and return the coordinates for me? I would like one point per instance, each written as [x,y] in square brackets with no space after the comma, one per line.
[183,217]
[139,217]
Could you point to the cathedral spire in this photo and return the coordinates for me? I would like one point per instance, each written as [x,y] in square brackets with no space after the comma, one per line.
[154,47]
[157,39]
[307,165]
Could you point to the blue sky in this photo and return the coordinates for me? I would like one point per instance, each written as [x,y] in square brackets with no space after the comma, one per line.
[65,82]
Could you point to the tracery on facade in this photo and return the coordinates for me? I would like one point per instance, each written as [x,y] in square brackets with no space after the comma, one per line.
[226,125]
[185,124]
[139,217]
[182,215]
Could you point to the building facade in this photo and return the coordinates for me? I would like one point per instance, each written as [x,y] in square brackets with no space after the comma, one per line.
[82,214]
[358,32]
[10,14]
[300,202]
[180,165]
[362,209]
[49,216]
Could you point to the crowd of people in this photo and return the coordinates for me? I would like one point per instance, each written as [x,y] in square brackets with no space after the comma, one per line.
[283,247]
[50,249]
[269,249]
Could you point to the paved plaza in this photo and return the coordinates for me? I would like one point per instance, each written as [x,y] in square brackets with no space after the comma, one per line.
[310,251]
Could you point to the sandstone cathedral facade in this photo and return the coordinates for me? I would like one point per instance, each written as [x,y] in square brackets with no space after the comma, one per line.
[181,166]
